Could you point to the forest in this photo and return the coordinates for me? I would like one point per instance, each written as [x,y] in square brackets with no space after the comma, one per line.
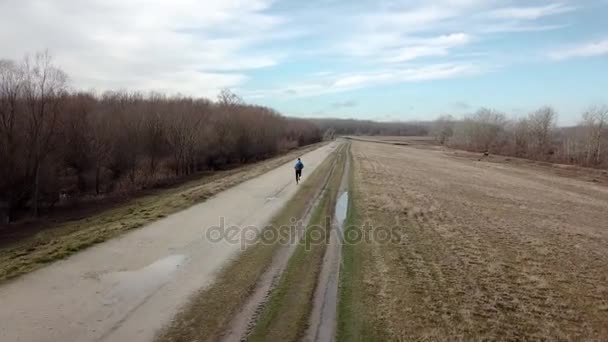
[57,143]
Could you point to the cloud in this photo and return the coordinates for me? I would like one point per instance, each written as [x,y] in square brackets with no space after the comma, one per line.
[589,49]
[437,46]
[530,13]
[344,104]
[357,80]
[411,74]
[393,48]
[198,47]
[517,27]
[416,19]
[414,30]
[189,46]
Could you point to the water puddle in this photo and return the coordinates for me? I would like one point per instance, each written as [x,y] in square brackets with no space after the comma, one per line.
[145,279]
[341,209]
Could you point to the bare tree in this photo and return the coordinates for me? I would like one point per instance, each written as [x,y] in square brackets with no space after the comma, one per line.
[443,129]
[595,121]
[43,89]
[75,144]
[228,98]
[154,141]
[11,87]
[541,125]
[521,136]
[481,131]
[182,134]
[100,145]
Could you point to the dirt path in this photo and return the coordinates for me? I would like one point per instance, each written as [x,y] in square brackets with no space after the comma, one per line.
[244,321]
[323,318]
[127,288]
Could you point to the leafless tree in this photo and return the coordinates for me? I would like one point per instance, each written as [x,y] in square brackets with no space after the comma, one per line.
[443,129]
[541,124]
[44,87]
[11,87]
[595,121]
[521,137]
[227,98]
[481,131]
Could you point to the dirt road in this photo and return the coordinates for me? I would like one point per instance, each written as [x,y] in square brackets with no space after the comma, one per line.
[127,288]
[478,250]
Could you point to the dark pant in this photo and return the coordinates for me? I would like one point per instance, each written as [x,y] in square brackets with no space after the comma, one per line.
[298,174]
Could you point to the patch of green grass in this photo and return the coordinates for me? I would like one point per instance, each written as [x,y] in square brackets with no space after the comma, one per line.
[70,237]
[209,312]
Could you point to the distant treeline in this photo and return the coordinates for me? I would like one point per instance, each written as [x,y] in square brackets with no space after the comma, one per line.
[535,136]
[56,143]
[366,127]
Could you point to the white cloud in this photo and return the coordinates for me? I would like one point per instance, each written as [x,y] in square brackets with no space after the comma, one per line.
[589,49]
[416,19]
[199,46]
[516,27]
[357,80]
[437,46]
[395,48]
[194,47]
[403,33]
[530,13]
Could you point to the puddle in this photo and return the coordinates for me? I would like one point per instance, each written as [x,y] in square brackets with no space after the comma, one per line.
[341,209]
[144,279]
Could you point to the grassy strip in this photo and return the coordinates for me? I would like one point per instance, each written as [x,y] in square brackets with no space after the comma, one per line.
[352,322]
[285,317]
[70,237]
[208,313]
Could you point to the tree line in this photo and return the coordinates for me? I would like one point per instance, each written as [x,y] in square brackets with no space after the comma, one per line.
[367,127]
[535,136]
[56,143]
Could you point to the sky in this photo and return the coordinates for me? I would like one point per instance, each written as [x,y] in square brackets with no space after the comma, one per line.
[382,60]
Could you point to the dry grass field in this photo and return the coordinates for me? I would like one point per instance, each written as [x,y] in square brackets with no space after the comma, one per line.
[397,140]
[486,250]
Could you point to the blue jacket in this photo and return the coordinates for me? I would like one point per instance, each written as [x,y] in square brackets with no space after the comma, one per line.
[299,165]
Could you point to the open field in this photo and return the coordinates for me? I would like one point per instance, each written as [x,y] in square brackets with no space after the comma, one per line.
[397,140]
[478,249]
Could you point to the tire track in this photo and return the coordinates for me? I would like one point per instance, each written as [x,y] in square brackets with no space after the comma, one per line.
[323,318]
[245,320]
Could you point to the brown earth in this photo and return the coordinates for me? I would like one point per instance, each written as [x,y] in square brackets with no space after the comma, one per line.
[480,250]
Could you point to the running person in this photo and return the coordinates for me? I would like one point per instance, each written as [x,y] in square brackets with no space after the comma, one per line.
[299,166]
